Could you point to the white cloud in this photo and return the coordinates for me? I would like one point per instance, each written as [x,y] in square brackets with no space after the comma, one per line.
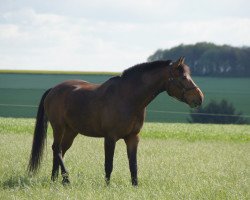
[51,40]
[109,35]
[8,31]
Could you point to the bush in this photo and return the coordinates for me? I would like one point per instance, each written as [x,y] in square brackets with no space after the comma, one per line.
[217,113]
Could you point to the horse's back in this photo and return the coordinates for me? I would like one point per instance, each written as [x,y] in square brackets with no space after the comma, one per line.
[63,90]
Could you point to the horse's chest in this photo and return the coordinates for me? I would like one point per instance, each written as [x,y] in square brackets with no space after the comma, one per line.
[122,124]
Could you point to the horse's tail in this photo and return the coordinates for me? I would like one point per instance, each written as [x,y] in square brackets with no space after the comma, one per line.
[39,138]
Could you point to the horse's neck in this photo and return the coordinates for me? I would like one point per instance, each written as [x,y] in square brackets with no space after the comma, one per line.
[146,88]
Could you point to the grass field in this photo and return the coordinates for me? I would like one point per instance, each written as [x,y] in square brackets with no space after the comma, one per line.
[176,161]
[20,89]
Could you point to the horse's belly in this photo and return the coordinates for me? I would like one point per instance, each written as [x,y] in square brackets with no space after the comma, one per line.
[102,123]
[85,127]
[92,134]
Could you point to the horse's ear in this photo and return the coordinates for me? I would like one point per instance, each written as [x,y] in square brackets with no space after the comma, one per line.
[182,59]
[179,62]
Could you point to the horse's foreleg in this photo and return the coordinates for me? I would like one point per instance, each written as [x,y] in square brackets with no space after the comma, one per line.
[132,143]
[109,148]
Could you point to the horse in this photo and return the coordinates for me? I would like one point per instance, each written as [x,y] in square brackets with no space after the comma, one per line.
[113,110]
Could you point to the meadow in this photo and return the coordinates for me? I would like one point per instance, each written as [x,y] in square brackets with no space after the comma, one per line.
[175,161]
[21,92]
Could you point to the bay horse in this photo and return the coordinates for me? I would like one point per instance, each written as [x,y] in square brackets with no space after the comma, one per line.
[113,110]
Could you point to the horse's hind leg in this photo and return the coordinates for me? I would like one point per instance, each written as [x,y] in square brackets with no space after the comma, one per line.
[67,141]
[55,167]
[60,139]
[56,147]
[58,161]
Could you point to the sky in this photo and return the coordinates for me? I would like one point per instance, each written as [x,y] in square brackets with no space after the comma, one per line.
[112,35]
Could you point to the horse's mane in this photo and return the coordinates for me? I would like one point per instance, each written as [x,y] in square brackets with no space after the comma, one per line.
[144,67]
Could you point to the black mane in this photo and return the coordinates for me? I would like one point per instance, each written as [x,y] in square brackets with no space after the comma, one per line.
[144,67]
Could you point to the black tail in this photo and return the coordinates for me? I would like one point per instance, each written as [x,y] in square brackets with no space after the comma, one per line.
[39,139]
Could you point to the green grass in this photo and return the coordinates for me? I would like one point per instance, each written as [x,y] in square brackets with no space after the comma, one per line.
[175,161]
[178,131]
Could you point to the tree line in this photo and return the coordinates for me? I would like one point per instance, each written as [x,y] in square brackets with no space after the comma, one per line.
[208,59]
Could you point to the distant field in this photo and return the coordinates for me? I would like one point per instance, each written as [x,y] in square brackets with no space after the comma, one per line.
[175,161]
[21,92]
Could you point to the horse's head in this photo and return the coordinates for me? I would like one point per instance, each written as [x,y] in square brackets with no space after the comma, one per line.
[181,86]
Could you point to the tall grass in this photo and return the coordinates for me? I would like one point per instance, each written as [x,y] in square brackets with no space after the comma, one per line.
[170,167]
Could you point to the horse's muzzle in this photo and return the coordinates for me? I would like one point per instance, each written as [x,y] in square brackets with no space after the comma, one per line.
[195,104]
[197,101]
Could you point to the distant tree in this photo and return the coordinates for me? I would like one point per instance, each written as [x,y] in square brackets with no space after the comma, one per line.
[208,59]
[217,113]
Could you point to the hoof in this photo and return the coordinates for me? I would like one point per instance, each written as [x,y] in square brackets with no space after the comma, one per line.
[135,182]
[54,176]
[65,181]
[107,181]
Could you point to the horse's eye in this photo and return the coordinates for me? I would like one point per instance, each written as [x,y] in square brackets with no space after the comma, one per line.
[184,77]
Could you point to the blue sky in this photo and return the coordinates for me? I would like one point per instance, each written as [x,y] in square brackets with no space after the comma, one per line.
[111,35]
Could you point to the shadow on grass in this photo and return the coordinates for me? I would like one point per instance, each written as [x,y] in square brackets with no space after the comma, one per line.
[22,182]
